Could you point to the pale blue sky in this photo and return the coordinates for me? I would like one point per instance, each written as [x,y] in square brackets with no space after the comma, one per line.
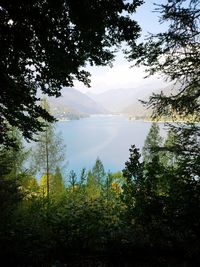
[147,18]
[120,75]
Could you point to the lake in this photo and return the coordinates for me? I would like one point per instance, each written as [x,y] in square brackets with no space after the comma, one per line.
[108,137]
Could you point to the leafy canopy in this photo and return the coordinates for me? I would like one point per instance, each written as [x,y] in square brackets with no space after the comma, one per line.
[175,54]
[45,45]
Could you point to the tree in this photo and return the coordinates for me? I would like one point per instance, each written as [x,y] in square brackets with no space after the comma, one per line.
[29,186]
[12,159]
[175,54]
[45,45]
[133,175]
[169,155]
[98,172]
[48,153]
[45,184]
[93,190]
[83,176]
[113,185]
[57,183]
[52,184]
[95,180]
[72,179]
[186,147]
[152,141]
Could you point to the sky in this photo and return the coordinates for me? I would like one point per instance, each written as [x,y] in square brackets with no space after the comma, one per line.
[121,75]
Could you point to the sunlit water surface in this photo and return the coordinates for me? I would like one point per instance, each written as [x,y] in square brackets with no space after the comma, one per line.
[106,137]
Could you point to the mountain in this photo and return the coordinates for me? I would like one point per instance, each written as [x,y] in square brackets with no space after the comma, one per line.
[126,101]
[117,100]
[75,103]
[114,100]
[138,110]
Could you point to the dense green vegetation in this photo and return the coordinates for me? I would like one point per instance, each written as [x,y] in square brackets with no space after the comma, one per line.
[150,209]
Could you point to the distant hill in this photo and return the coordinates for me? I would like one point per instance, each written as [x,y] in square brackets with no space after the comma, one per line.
[138,110]
[65,112]
[126,101]
[75,104]
[115,100]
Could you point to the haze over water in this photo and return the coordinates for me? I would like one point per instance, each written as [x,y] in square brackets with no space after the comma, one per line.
[103,136]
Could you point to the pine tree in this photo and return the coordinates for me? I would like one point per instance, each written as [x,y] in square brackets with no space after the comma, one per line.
[72,179]
[93,189]
[133,175]
[152,142]
[83,176]
[48,153]
[169,155]
[175,55]
[57,186]
[98,172]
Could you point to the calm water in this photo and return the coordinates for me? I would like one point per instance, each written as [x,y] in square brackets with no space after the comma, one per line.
[106,137]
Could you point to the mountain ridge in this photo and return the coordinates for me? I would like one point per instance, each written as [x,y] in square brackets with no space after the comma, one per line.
[74,104]
[126,101]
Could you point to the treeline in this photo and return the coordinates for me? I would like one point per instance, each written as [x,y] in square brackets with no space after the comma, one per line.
[149,212]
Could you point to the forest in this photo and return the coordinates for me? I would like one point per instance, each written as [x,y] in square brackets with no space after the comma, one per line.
[149,209]
[144,215]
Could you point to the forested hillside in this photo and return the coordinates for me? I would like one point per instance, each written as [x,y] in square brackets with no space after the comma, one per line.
[74,104]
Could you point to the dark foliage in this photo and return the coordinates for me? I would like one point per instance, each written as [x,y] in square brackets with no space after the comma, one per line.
[45,45]
[175,54]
